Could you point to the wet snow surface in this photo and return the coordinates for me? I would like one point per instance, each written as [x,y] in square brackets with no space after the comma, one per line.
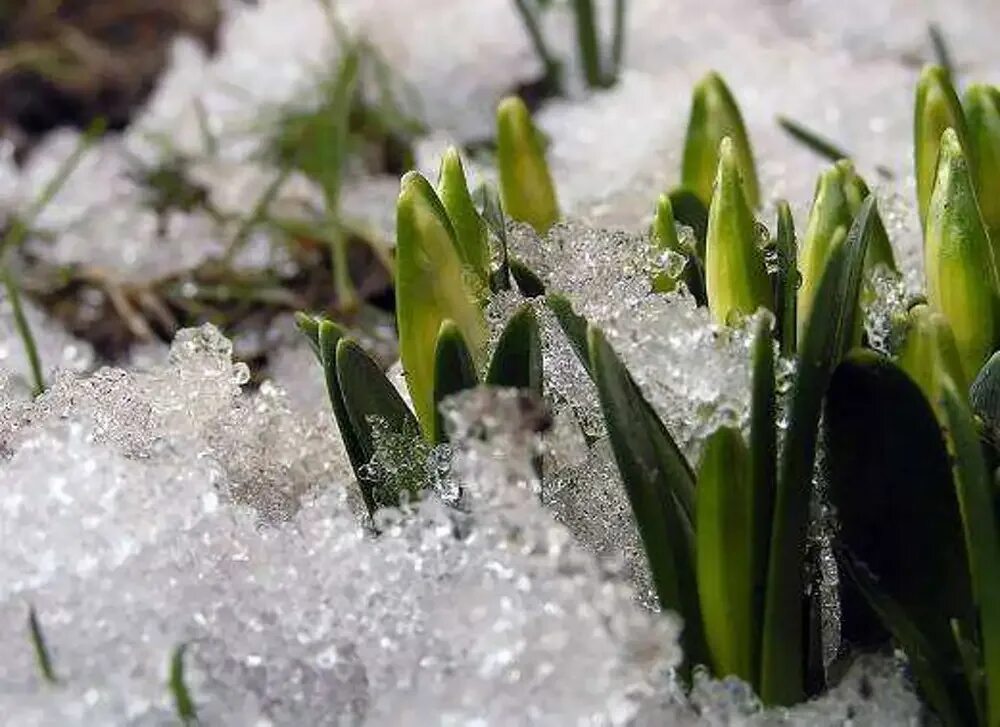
[165,503]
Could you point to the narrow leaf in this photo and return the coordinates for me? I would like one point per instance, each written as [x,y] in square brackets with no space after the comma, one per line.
[689,210]
[492,215]
[982,112]
[942,55]
[183,703]
[41,649]
[525,181]
[829,213]
[431,286]
[961,280]
[715,116]
[528,282]
[470,230]
[856,191]
[982,538]
[929,353]
[573,325]
[369,400]
[517,360]
[936,109]
[653,482]
[828,335]
[735,276]
[764,476]
[786,290]
[984,395]
[454,371]
[809,138]
[725,549]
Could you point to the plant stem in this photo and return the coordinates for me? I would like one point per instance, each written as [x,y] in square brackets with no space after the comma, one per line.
[41,650]
[617,43]
[24,331]
[586,38]
[21,224]
[551,65]
[258,213]
[941,52]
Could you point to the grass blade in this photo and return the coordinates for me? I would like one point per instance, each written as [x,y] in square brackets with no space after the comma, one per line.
[587,43]
[553,69]
[517,360]
[454,371]
[828,335]
[814,141]
[24,332]
[470,230]
[937,108]
[528,282]
[41,649]
[183,704]
[942,55]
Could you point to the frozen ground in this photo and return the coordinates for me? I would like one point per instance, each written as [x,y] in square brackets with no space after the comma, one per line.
[164,504]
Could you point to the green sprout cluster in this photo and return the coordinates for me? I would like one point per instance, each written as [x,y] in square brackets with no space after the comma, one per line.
[909,441]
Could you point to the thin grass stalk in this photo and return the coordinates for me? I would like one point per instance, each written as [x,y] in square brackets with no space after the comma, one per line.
[587,41]
[24,332]
[552,71]
[617,42]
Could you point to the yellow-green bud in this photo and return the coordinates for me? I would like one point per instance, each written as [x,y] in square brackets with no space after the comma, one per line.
[525,182]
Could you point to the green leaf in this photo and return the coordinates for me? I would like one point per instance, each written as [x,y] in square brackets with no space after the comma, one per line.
[431,286]
[183,704]
[691,211]
[786,287]
[735,276]
[830,212]
[982,113]
[936,109]
[492,215]
[809,138]
[982,537]
[828,336]
[725,550]
[454,371]
[944,691]
[470,230]
[856,192]
[941,52]
[528,282]
[958,260]
[764,473]
[525,181]
[369,400]
[42,656]
[309,327]
[929,353]
[715,116]
[657,481]
[665,240]
[517,360]
[890,479]
[328,336]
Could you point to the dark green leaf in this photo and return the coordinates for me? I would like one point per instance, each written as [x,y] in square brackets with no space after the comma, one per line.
[691,211]
[328,336]
[517,360]
[946,692]
[764,466]
[528,282]
[309,327]
[890,479]
[371,400]
[982,539]
[824,147]
[787,279]
[183,703]
[454,371]
[942,55]
[657,481]
[828,335]
[41,649]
